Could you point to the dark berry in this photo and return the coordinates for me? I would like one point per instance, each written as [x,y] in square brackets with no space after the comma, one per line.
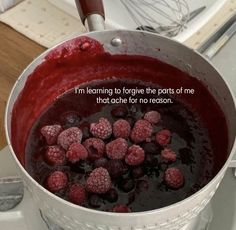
[119,111]
[151,147]
[77,194]
[102,129]
[131,121]
[116,168]
[122,208]
[95,201]
[137,172]
[142,185]
[150,160]
[174,178]
[127,185]
[135,155]
[117,149]
[101,162]
[99,181]
[121,128]
[141,131]
[111,195]
[86,133]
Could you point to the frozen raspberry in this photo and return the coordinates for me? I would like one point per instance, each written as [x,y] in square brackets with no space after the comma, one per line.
[76,152]
[163,137]
[142,131]
[122,208]
[95,148]
[99,181]
[69,136]
[152,116]
[135,155]
[117,149]
[102,129]
[168,155]
[77,194]
[174,178]
[51,132]
[55,155]
[56,181]
[121,128]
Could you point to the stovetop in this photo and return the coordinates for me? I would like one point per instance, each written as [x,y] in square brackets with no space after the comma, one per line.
[26,216]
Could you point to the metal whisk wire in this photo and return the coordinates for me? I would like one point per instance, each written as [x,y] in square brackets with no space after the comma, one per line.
[167,17]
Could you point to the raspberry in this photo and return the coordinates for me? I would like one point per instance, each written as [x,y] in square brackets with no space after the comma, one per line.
[121,128]
[163,137]
[55,155]
[142,131]
[102,129]
[77,194]
[56,181]
[152,116]
[99,181]
[122,208]
[76,152]
[95,148]
[135,155]
[116,168]
[174,178]
[69,136]
[117,149]
[168,155]
[51,132]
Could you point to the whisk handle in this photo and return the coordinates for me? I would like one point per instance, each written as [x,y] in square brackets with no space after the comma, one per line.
[90,7]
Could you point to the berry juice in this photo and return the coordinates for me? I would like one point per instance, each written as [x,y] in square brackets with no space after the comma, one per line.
[173,167]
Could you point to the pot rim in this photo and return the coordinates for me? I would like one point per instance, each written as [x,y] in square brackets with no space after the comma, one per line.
[112,214]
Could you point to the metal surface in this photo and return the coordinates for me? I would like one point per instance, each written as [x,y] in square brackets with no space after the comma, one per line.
[215,47]
[95,22]
[11,192]
[173,217]
[148,13]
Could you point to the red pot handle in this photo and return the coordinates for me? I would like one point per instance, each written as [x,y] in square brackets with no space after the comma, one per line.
[88,7]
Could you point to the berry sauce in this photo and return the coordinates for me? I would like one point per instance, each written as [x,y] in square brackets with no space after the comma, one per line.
[141,187]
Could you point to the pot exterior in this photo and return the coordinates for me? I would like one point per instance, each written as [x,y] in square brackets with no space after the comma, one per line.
[173,217]
[71,217]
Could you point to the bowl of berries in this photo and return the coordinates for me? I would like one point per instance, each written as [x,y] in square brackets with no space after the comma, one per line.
[139,164]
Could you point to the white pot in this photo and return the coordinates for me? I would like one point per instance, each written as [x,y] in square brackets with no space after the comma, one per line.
[173,217]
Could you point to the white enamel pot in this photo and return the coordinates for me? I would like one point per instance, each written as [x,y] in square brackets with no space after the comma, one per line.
[173,217]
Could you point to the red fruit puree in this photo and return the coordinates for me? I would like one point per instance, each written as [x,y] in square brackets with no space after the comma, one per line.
[110,157]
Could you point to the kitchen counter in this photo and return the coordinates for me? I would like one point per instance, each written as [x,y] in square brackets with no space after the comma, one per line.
[16,52]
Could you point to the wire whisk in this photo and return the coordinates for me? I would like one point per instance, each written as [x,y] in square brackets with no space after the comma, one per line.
[166,17]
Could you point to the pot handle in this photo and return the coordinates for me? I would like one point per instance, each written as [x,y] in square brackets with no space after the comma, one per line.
[91,13]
